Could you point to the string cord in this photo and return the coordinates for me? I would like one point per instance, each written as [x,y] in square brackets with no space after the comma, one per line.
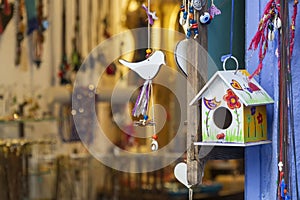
[190,194]
[149,30]
[153,110]
[231,33]
[231,26]
[290,92]
[151,86]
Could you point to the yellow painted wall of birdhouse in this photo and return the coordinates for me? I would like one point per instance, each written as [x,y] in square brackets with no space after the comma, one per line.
[255,123]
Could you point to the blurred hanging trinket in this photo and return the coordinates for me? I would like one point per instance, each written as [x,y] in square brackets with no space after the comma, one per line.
[42,26]
[154,143]
[64,72]
[274,24]
[193,24]
[283,191]
[151,15]
[76,41]
[213,10]
[198,4]
[20,30]
[183,14]
[6,13]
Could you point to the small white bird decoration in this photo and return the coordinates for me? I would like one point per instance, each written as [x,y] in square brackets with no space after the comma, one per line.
[147,69]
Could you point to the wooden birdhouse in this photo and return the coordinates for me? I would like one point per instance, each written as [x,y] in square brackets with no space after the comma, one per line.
[233,109]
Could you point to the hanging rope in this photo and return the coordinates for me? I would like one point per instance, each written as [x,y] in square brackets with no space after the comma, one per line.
[149,30]
[286,123]
[153,110]
[293,28]
[290,93]
[225,57]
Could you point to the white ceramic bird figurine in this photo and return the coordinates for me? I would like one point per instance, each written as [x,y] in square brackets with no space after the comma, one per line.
[147,69]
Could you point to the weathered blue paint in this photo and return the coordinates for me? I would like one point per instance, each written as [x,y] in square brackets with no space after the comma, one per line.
[295,67]
[261,162]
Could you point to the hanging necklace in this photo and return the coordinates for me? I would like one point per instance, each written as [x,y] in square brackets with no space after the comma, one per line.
[20,29]
[64,66]
[42,26]
[6,13]
[76,56]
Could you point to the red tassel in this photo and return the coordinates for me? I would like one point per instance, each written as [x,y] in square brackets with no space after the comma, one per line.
[292,29]
[260,38]
[257,71]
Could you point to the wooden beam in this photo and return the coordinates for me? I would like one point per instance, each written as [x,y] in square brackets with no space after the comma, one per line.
[198,57]
[283,71]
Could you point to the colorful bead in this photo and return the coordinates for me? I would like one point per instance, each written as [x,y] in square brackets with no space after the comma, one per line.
[205,18]
[148,52]
[154,137]
[191,15]
[182,8]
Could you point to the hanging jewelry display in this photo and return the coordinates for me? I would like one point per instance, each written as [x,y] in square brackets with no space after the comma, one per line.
[192,22]
[64,73]
[188,19]
[76,55]
[91,59]
[183,13]
[147,70]
[34,40]
[6,13]
[42,26]
[20,29]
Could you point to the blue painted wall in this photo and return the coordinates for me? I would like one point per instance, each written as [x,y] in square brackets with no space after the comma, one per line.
[261,161]
[296,100]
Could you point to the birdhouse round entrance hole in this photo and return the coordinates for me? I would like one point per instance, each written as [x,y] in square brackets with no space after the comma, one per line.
[222,117]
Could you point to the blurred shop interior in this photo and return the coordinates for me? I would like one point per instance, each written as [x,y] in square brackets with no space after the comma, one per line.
[47,154]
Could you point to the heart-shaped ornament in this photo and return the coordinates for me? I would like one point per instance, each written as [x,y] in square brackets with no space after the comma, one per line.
[180,172]
[180,55]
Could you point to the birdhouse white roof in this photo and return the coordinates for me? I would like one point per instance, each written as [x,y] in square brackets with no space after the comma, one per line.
[249,92]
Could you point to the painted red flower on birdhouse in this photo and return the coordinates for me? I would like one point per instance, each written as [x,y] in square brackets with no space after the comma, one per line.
[232,100]
[259,118]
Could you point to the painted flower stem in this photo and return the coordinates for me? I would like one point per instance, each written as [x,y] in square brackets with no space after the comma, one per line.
[238,121]
[248,124]
[254,126]
[206,122]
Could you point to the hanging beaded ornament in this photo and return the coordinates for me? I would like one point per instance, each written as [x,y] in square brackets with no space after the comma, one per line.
[147,69]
